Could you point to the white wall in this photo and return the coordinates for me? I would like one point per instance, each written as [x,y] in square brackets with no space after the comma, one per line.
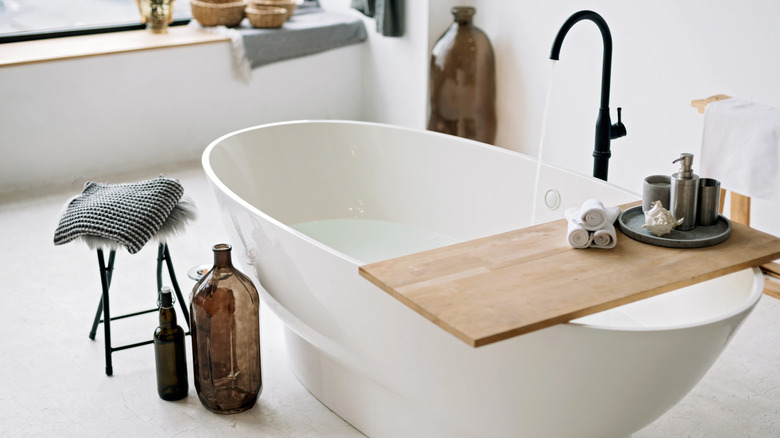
[83,118]
[68,118]
[665,53]
[88,117]
[395,85]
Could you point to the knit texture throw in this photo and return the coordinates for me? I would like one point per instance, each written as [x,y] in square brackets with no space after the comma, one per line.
[129,214]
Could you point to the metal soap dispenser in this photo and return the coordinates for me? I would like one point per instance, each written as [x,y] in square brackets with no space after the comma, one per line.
[684,193]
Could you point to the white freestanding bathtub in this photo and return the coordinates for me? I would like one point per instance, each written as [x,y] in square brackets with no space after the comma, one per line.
[308,202]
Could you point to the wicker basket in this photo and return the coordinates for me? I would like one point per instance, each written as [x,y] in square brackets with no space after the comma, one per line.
[289,5]
[266,16]
[218,14]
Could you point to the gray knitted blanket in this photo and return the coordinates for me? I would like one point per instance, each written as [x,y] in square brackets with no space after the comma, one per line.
[129,214]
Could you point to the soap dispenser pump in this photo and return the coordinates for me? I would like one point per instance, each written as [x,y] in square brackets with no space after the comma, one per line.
[684,193]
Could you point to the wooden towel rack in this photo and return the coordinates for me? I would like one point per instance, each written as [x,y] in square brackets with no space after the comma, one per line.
[740,209]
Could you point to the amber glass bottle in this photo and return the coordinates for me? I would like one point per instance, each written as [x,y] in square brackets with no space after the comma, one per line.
[169,352]
[462,88]
[225,329]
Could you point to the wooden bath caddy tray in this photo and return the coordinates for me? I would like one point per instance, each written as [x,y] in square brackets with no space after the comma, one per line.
[498,287]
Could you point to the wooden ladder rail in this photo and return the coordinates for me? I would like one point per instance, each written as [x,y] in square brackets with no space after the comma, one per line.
[740,211]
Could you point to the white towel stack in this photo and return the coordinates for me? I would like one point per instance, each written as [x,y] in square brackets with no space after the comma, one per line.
[591,225]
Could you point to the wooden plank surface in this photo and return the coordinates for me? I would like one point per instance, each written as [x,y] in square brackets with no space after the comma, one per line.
[772,288]
[771,269]
[498,287]
[701,104]
[28,52]
[740,208]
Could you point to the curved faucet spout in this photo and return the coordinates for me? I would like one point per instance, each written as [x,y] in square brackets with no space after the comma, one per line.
[606,35]
[605,130]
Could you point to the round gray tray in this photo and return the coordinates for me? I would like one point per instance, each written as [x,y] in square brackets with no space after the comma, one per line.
[631,222]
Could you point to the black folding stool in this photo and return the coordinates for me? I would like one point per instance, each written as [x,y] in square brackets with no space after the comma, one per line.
[130,214]
[106,271]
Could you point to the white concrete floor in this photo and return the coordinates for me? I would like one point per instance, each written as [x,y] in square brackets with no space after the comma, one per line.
[52,380]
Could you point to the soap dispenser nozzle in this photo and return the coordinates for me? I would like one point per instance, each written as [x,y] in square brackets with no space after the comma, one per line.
[686,165]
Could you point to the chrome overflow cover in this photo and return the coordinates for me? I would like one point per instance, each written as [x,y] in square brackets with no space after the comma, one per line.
[552,199]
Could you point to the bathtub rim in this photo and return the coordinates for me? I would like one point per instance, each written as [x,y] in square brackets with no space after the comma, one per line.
[214,179]
[748,303]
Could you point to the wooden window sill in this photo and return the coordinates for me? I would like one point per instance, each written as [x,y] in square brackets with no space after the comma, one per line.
[29,52]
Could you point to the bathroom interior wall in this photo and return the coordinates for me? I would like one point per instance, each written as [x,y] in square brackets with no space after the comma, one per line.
[392,67]
[70,119]
[77,119]
[665,54]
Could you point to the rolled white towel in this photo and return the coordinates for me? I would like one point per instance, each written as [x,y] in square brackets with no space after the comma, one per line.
[579,236]
[592,214]
[576,234]
[604,238]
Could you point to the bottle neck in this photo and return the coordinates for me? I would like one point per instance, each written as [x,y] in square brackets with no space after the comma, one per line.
[222,257]
[463,16]
[167,314]
[167,317]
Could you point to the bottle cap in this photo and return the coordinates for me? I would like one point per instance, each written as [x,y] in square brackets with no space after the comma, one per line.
[166,298]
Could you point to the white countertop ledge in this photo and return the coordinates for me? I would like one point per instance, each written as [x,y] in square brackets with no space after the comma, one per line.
[54,49]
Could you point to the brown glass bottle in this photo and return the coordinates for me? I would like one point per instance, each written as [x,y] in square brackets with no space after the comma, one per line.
[225,329]
[169,352]
[462,88]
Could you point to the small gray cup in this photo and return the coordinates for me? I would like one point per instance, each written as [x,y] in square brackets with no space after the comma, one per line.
[656,188]
[709,202]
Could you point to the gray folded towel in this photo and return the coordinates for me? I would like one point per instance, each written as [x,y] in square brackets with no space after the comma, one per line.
[129,214]
[305,33]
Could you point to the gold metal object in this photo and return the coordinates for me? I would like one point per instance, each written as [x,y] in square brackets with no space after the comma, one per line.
[156,14]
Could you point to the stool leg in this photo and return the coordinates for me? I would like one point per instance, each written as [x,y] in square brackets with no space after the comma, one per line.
[99,312]
[182,303]
[95,323]
[105,276]
[160,256]
[163,254]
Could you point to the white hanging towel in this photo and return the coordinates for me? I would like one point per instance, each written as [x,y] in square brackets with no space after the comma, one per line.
[741,147]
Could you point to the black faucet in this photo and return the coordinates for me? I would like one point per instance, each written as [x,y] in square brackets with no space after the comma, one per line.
[605,130]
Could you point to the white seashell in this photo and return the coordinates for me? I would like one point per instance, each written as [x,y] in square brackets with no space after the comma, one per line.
[659,220]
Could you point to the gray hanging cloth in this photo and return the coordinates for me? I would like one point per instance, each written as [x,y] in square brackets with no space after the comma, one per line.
[389,15]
